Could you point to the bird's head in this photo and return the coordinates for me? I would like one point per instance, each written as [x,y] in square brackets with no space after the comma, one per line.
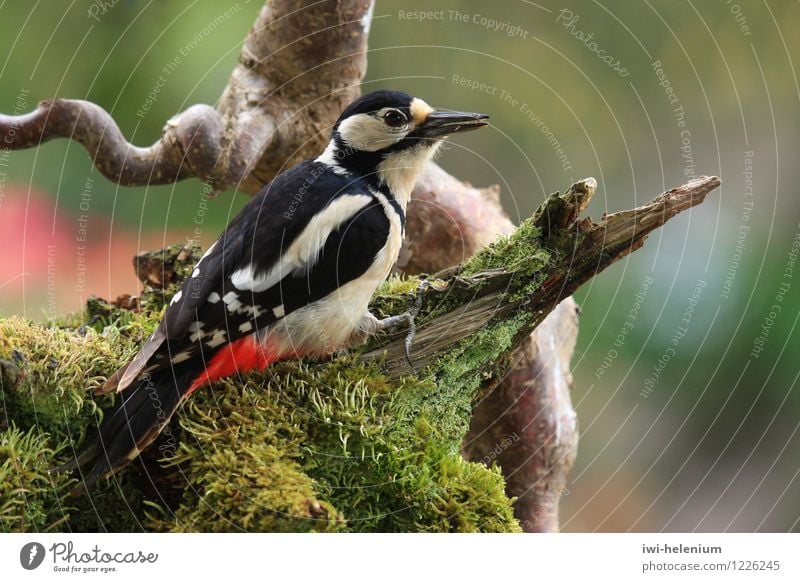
[388,136]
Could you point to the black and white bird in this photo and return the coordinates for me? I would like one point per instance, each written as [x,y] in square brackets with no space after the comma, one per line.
[292,274]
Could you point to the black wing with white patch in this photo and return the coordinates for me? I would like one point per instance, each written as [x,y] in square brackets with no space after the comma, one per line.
[267,263]
[265,214]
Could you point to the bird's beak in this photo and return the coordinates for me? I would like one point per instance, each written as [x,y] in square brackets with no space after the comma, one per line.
[440,123]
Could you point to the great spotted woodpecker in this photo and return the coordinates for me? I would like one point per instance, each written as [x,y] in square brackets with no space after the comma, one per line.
[291,275]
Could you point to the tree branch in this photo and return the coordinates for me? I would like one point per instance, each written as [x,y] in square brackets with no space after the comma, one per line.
[484,290]
[276,110]
[92,127]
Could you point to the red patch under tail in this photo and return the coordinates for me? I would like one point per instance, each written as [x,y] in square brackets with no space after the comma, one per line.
[243,355]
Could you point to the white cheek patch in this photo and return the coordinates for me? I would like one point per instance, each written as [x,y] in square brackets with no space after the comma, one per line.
[368,133]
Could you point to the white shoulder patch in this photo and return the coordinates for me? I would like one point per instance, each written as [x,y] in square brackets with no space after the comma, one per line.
[304,251]
[328,157]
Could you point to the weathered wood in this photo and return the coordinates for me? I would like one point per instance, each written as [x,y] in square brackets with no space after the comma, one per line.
[582,249]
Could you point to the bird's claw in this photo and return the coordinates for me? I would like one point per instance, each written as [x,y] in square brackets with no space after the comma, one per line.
[415,303]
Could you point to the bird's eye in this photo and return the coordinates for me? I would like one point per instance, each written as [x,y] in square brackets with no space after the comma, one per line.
[394,118]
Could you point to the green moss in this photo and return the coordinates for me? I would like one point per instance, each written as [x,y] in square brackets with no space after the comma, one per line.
[241,455]
[106,317]
[163,271]
[47,375]
[327,447]
[397,285]
[47,371]
[116,505]
[305,446]
[521,252]
[394,295]
[449,494]
[30,498]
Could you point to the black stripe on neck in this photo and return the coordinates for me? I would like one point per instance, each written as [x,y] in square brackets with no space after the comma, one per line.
[398,208]
[365,165]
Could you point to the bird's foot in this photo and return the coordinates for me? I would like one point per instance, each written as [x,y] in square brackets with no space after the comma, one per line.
[406,319]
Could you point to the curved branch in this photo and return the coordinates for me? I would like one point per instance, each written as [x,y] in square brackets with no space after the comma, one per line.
[281,99]
[92,126]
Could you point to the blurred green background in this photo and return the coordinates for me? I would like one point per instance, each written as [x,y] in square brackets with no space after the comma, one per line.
[685,384]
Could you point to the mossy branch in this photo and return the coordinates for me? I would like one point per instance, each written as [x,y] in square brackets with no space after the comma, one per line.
[521,278]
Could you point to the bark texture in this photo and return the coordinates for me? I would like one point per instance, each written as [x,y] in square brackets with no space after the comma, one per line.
[277,109]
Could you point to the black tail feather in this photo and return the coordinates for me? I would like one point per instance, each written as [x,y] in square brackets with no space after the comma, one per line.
[142,411]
